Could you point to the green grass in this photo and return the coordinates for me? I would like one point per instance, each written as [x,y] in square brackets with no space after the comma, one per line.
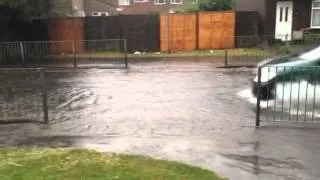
[206,53]
[72,164]
[199,53]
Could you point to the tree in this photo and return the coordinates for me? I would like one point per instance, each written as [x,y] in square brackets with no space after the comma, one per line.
[216,5]
[212,5]
[39,9]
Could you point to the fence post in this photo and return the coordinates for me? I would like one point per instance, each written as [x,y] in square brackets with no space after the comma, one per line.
[2,59]
[44,97]
[258,98]
[125,52]
[168,33]
[74,54]
[287,43]
[226,57]
[22,54]
[197,30]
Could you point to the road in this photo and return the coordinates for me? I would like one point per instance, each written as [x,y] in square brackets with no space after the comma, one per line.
[188,111]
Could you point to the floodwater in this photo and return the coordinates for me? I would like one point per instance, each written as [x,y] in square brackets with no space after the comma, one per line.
[295,102]
[188,111]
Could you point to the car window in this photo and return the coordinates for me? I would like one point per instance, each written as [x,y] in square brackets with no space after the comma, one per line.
[311,55]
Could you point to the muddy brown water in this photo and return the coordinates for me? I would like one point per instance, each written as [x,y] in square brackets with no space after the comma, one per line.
[188,111]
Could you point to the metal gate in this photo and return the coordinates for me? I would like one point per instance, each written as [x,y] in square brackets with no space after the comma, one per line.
[288,94]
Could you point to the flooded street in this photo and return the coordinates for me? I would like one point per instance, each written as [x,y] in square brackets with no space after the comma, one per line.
[186,111]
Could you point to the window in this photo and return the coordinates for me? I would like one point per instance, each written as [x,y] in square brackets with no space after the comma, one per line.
[315,14]
[159,2]
[95,14]
[139,1]
[176,1]
[124,2]
[281,10]
[100,14]
[286,17]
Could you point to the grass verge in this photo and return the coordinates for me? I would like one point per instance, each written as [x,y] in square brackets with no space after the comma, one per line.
[72,164]
[199,53]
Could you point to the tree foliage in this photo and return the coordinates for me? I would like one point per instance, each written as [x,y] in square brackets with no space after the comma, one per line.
[216,5]
[212,5]
[38,9]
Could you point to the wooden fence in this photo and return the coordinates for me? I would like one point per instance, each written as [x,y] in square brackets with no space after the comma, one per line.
[216,30]
[204,30]
[182,32]
[4,24]
[66,29]
[248,27]
[140,31]
[187,31]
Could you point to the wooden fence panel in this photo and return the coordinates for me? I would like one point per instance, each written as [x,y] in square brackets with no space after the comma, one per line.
[182,31]
[140,31]
[249,26]
[4,24]
[216,30]
[63,30]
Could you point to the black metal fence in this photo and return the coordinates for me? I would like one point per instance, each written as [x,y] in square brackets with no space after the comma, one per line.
[113,53]
[101,52]
[253,49]
[288,94]
[109,53]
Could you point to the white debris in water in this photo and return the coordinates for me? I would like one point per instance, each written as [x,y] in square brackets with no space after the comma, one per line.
[158,53]
[144,53]
[211,51]
[137,53]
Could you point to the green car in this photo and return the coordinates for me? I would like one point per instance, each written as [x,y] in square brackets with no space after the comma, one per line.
[302,66]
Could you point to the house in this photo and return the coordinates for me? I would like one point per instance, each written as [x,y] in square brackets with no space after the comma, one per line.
[116,7]
[285,19]
[293,18]
[101,7]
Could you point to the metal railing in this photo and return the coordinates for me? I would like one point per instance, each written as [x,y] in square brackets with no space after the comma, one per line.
[108,52]
[288,94]
[101,51]
[234,51]
[249,50]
